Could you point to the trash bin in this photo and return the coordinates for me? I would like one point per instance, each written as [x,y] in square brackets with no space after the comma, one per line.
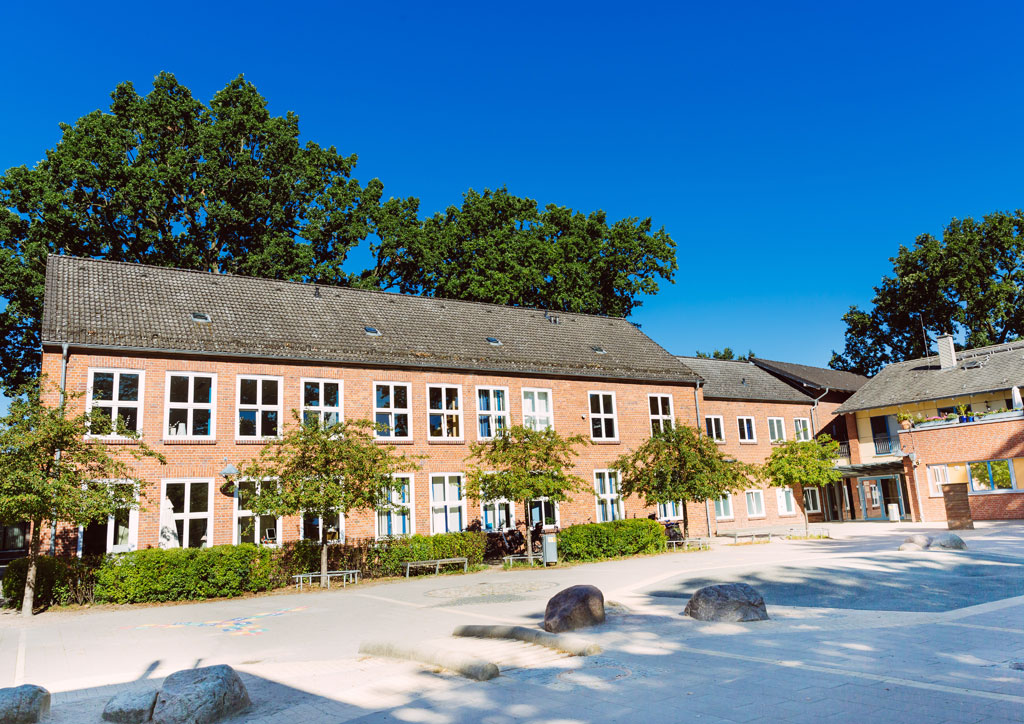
[549,548]
[894,512]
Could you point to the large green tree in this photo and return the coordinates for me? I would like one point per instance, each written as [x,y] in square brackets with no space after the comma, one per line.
[802,464]
[970,283]
[53,473]
[501,248]
[164,179]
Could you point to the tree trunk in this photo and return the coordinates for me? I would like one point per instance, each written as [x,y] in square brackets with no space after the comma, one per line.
[29,597]
[686,521]
[529,535]
[323,559]
[807,520]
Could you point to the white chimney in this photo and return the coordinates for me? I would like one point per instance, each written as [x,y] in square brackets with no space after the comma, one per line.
[947,352]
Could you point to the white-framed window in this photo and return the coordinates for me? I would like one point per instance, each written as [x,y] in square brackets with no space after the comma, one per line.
[802,429]
[776,429]
[116,395]
[723,507]
[609,502]
[784,499]
[118,533]
[322,401]
[812,499]
[444,412]
[602,416]
[938,475]
[392,409]
[498,515]
[258,400]
[397,517]
[538,412]
[330,528]
[190,409]
[491,411]
[186,514]
[661,412]
[755,504]
[263,530]
[671,510]
[447,503]
[715,427]
[545,511]
[747,431]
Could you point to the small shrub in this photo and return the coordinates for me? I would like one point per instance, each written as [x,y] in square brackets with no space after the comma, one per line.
[596,541]
[59,581]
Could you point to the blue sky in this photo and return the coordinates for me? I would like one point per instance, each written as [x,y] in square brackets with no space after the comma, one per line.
[789,148]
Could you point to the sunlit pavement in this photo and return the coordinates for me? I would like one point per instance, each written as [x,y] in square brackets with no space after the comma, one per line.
[859,633]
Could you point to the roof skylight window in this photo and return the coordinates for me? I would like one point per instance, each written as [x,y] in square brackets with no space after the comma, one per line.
[372,331]
[201,317]
[494,341]
[599,350]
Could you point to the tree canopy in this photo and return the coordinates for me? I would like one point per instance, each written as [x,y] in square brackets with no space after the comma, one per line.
[680,464]
[53,472]
[799,464]
[501,248]
[726,354]
[164,179]
[969,283]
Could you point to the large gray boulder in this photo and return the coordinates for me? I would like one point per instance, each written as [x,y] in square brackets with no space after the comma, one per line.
[573,608]
[130,707]
[949,541]
[918,539]
[200,696]
[727,602]
[25,704]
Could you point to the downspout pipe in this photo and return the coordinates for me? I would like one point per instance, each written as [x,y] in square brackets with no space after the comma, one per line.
[696,405]
[814,419]
[63,384]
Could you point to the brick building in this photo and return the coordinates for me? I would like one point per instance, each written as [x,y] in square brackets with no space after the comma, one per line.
[965,430]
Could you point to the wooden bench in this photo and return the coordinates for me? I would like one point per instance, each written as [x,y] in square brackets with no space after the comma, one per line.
[752,534]
[346,577]
[691,544]
[436,563]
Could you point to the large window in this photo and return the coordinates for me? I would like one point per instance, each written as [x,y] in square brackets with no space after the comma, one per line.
[191,405]
[330,528]
[322,401]
[755,504]
[747,432]
[715,430]
[602,416]
[251,528]
[784,499]
[802,427]
[116,533]
[661,412]
[812,500]
[544,511]
[396,518]
[187,506]
[938,475]
[776,429]
[116,396]
[259,407]
[991,476]
[447,504]
[609,502]
[671,510]
[537,412]
[491,411]
[391,410]
[444,412]
[723,507]
[499,515]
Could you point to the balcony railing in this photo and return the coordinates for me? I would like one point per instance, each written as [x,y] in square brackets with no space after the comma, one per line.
[844,448]
[885,445]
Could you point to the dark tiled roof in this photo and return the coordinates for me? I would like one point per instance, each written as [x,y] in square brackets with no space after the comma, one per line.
[118,305]
[985,369]
[818,377]
[730,380]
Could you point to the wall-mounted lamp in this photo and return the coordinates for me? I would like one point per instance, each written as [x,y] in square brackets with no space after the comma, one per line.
[229,471]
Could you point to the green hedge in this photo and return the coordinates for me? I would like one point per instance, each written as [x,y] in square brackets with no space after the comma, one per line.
[59,581]
[596,541]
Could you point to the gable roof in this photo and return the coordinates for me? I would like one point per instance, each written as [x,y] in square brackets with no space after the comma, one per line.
[105,304]
[733,380]
[817,377]
[984,369]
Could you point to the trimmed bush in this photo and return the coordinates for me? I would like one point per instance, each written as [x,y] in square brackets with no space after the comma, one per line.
[597,541]
[59,581]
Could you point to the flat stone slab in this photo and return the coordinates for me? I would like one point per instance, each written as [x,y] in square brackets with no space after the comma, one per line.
[573,608]
[130,707]
[25,704]
[200,696]
[727,602]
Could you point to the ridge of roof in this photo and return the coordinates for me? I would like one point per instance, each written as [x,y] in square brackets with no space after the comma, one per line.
[811,376]
[741,380]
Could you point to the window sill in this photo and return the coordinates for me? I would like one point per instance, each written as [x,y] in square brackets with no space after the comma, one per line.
[189,441]
[818,512]
[756,517]
[719,442]
[114,440]
[394,441]
[787,515]
[748,442]
[446,441]
[604,442]
[995,492]
[255,441]
[725,520]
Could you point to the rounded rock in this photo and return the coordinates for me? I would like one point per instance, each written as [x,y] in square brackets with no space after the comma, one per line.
[919,539]
[908,546]
[949,541]
[573,608]
[25,704]
[727,602]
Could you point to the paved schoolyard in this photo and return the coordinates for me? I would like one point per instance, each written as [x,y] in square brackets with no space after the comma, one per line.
[859,632]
